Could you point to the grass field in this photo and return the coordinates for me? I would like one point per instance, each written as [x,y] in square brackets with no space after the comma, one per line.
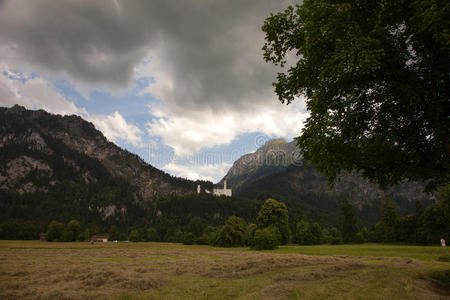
[32,269]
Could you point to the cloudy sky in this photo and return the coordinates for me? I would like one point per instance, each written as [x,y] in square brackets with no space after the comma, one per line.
[181,83]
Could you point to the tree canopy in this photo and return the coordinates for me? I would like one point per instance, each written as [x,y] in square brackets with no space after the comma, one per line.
[274,213]
[375,75]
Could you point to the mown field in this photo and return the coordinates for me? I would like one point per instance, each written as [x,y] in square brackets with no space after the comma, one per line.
[32,269]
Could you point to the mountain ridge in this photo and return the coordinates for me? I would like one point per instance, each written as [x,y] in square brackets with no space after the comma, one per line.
[277,170]
[272,157]
[37,147]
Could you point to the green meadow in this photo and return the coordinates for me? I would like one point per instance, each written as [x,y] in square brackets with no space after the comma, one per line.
[41,270]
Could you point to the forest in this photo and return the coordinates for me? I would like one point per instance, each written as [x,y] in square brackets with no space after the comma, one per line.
[235,221]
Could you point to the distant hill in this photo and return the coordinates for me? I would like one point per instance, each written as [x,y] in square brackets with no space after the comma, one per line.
[277,170]
[273,157]
[53,166]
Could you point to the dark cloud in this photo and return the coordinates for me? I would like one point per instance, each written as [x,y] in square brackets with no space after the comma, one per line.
[211,50]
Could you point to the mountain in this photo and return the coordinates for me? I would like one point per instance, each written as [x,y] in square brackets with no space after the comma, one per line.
[277,170]
[273,157]
[61,168]
[52,165]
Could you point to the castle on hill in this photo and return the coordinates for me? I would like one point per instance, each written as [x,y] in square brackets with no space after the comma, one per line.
[217,191]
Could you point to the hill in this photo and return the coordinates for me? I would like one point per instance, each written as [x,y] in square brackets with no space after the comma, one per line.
[277,170]
[53,166]
[61,168]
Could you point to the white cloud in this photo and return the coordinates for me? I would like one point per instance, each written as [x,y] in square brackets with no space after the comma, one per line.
[38,93]
[189,133]
[116,128]
[211,172]
[34,93]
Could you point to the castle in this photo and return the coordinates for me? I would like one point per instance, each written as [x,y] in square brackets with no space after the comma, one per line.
[218,191]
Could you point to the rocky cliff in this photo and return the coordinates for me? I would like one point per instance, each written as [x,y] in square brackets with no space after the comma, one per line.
[38,148]
[273,157]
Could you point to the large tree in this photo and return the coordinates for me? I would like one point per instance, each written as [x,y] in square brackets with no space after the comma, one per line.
[274,213]
[376,78]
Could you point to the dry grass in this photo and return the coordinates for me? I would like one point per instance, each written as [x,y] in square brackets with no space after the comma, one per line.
[37,270]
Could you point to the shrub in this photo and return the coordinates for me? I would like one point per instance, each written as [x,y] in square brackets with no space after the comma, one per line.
[267,238]
[55,231]
[151,235]
[303,235]
[232,234]
[134,236]
[250,239]
[189,239]
[359,238]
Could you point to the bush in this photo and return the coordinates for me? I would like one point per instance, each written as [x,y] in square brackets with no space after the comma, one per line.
[151,235]
[359,238]
[189,239]
[267,238]
[232,234]
[72,231]
[209,234]
[172,239]
[55,231]
[303,235]
[250,239]
[134,236]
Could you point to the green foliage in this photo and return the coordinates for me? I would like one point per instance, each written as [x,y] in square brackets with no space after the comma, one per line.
[209,234]
[195,226]
[388,228]
[55,231]
[349,228]
[359,238]
[390,217]
[316,233]
[21,230]
[274,213]
[72,231]
[176,237]
[336,236]
[189,239]
[406,231]
[134,236]
[86,235]
[363,66]
[250,239]
[435,221]
[232,234]
[365,234]
[303,234]
[267,238]
[151,235]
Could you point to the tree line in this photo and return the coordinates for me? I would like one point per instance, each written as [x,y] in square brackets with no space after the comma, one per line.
[271,226]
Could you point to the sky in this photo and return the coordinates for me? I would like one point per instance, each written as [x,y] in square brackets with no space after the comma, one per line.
[183,84]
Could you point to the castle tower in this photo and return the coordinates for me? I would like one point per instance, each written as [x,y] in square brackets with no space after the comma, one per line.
[224,184]
[198,188]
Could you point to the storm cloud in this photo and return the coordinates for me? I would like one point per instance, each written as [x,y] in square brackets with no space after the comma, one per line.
[209,50]
[201,59]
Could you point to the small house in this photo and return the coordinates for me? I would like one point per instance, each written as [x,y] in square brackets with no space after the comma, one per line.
[99,238]
[43,237]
